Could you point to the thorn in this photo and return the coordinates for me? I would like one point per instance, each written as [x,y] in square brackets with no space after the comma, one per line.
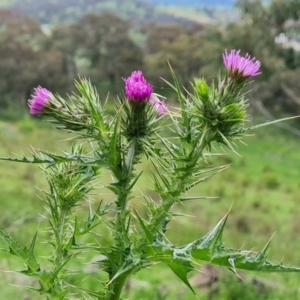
[229,210]
[264,250]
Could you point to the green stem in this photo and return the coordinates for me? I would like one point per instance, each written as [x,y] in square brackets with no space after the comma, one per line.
[130,157]
[179,183]
[59,253]
[121,230]
[123,194]
[163,210]
[116,287]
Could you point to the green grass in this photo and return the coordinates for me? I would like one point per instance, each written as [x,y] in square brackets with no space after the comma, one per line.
[261,187]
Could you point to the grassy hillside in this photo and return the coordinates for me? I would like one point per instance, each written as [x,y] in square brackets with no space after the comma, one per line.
[261,186]
[192,3]
[52,12]
[200,15]
[196,3]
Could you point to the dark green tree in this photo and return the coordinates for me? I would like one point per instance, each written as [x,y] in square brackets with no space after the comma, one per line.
[182,48]
[106,43]
[24,61]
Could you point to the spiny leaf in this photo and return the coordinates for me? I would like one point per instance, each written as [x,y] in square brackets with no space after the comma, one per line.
[194,183]
[182,199]
[23,252]
[156,153]
[241,131]
[114,155]
[163,178]
[179,261]
[172,151]
[56,159]
[216,170]
[32,245]
[210,249]
[56,272]
[210,242]
[136,178]
[98,295]
[181,268]
[30,160]
[91,221]
[69,157]
[148,234]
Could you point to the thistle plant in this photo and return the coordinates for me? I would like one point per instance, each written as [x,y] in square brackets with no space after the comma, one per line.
[206,115]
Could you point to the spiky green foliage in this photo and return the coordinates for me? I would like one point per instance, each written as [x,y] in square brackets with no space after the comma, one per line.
[116,144]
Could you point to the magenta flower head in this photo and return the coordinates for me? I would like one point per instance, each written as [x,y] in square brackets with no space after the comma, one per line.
[241,66]
[40,99]
[160,105]
[137,88]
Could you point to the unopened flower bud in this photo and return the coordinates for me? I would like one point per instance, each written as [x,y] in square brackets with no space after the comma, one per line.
[201,88]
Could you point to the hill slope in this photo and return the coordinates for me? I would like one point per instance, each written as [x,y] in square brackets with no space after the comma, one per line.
[195,3]
[139,11]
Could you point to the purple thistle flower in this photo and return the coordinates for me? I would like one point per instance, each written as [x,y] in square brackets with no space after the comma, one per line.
[160,105]
[239,66]
[40,99]
[137,88]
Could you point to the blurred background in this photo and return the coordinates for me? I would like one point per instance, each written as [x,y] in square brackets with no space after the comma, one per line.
[52,42]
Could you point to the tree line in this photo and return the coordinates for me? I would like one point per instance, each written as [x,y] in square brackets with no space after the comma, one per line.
[107,48]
